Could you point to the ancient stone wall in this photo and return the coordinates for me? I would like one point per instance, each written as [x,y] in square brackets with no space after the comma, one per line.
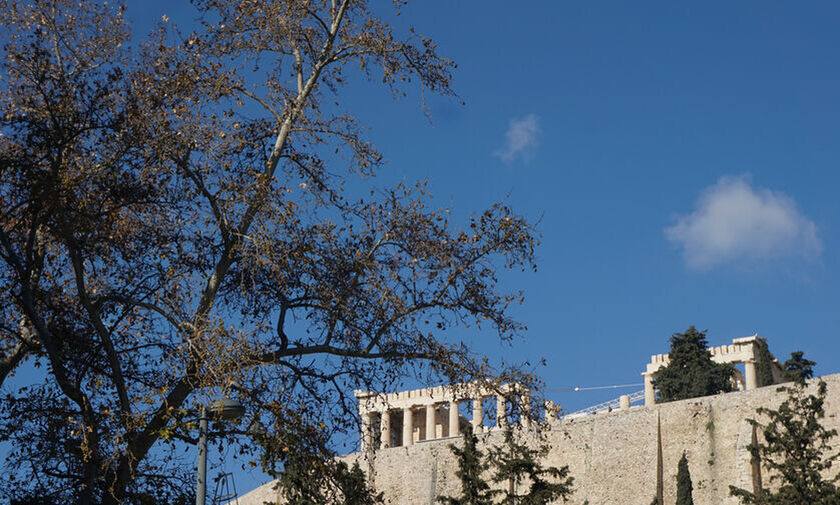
[612,456]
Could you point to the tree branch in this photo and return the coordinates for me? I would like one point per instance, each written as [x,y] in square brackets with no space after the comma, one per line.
[126,300]
[224,226]
[272,357]
[99,326]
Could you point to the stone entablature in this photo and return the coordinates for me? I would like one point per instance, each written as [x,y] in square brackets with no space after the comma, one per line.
[407,417]
[742,350]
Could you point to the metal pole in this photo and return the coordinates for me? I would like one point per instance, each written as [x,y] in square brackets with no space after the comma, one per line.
[201,482]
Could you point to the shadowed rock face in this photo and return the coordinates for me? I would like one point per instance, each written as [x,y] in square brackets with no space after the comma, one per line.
[612,456]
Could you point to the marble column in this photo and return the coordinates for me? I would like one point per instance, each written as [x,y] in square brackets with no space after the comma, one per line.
[525,410]
[408,427]
[501,415]
[478,415]
[751,373]
[430,421]
[367,436]
[453,419]
[650,393]
[385,430]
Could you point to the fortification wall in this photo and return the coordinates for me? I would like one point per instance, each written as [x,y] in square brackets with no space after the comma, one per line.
[612,456]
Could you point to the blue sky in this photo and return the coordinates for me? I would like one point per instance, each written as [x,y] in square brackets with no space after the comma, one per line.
[718,123]
[681,161]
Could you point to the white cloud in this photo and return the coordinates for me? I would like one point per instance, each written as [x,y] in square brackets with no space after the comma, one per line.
[521,139]
[734,221]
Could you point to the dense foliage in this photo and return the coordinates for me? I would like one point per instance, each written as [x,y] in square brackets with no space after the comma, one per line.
[796,450]
[529,482]
[798,368]
[181,218]
[691,372]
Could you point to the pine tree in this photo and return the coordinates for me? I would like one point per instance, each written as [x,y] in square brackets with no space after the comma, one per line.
[684,485]
[303,481]
[691,371]
[353,484]
[517,463]
[796,450]
[313,476]
[474,489]
[797,368]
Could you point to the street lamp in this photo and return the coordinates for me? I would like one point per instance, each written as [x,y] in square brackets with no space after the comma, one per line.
[221,409]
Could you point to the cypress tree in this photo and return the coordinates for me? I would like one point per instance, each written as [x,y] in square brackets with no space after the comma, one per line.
[691,371]
[684,486]
[765,366]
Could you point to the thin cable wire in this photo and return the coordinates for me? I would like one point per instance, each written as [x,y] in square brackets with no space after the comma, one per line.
[592,388]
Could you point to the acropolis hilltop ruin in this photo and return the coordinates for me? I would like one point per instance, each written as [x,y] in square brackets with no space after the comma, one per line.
[420,415]
[611,452]
[401,419]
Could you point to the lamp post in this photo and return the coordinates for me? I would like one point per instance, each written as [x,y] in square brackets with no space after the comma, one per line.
[222,409]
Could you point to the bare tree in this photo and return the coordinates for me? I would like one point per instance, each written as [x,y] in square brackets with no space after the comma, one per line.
[181,221]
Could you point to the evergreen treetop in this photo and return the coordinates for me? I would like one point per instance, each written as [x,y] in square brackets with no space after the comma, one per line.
[798,368]
[691,371]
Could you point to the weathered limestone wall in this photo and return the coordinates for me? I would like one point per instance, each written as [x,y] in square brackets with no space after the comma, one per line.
[612,456]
